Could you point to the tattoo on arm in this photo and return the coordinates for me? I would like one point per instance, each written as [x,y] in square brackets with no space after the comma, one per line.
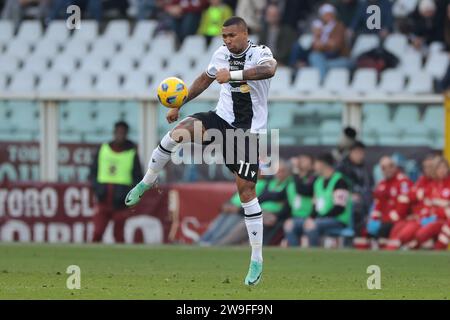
[263,71]
[200,84]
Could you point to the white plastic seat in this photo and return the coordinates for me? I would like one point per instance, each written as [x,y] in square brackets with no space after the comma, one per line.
[143,30]
[104,48]
[178,64]
[18,48]
[137,83]
[80,82]
[437,64]
[50,82]
[9,64]
[108,82]
[436,47]
[281,82]
[161,45]
[192,46]
[134,49]
[363,43]
[306,40]
[307,80]
[48,48]
[3,79]
[151,65]
[92,64]
[432,116]
[78,48]
[64,64]
[87,32]
[405,116]
[22,82]
[29,30]
[57,31]
[392,81]
[410,62]
[336,80]
[364,81]
[6,31]
[215,44]
[117,30]
[122,64]
[419,82]
[36,65]
[396,43]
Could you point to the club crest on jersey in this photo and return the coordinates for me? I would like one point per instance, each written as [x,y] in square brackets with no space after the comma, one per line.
[245,88]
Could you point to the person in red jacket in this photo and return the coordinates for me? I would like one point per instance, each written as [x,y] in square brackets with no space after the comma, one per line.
[437,197]
[391,201]
[404,231]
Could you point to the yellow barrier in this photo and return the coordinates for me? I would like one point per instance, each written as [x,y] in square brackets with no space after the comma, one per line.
[447,126]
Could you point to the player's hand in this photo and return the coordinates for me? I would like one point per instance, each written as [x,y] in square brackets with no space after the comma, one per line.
[223,76]
[172,115]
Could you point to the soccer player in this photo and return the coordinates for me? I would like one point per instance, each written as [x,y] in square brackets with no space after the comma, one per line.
[244,71]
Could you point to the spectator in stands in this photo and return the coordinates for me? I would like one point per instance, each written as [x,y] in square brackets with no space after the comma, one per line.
[437,197]
[15,10]
[330,51]
[294,13]
[251,11]
[428,25]
[94,9]
[213,19]
[299,194]
[142,9]
[404,231]
[231,215]
[277,36]
[359,22]
[185,16]
[391,201]
[300,53]
[115,170]
[346,141]
[346,10]
[361,184]
[274,206]
[332,202]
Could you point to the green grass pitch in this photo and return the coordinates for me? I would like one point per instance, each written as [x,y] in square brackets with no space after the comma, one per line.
[185,272]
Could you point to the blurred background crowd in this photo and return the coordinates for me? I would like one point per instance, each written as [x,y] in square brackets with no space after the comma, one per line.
[279,24]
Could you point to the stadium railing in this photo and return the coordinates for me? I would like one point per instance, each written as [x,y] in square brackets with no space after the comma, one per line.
[148,116]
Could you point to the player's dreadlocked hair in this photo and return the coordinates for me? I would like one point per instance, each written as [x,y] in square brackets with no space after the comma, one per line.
[235,21]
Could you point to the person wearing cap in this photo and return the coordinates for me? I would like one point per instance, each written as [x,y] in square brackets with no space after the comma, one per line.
[332,201]
[331,49]
[427,24]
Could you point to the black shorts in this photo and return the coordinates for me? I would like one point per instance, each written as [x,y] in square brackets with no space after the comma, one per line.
[240,151]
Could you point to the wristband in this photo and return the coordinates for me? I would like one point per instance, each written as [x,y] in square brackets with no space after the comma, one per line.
[237,75]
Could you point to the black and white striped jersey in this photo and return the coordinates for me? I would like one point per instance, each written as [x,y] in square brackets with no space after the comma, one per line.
[243,104]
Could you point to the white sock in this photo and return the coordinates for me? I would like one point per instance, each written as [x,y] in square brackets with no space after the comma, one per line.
[254,224]
[160,156]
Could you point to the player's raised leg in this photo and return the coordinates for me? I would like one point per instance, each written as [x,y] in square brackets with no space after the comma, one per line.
[182,133]
[254,224]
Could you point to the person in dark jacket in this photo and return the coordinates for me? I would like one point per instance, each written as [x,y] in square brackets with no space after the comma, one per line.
[114,171]
[361,183]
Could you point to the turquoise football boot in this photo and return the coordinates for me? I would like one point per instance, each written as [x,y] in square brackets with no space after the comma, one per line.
[135,194]
[254,273]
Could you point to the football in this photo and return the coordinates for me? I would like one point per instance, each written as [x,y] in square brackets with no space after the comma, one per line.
[172,92]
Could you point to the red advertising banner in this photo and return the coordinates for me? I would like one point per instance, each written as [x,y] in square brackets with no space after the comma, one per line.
[62,213]
[194,206]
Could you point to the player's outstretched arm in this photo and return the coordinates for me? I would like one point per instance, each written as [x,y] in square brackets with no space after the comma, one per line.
[200,84]
[263,71]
